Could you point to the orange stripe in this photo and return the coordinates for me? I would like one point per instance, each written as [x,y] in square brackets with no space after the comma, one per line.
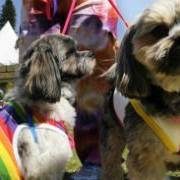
[7,131]
[5,141]
[10,165]
[8,146]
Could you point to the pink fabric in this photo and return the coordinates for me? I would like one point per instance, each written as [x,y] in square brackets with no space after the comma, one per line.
[102,9]
[69,16]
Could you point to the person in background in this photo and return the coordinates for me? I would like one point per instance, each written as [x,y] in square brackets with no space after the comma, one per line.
[94,26]
[38,17]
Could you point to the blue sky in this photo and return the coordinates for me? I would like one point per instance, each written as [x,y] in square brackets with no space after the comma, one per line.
[130,9]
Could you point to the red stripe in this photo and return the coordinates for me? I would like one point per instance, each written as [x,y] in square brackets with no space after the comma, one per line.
[6,129]
[8,146]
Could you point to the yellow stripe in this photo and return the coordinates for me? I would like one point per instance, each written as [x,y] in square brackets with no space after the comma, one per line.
[8,146]
[10,165]
[154,125]
[6,142]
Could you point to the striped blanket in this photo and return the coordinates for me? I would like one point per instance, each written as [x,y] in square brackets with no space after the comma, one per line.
[12,115]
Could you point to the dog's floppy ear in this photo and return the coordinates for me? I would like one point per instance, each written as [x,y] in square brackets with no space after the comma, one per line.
[131,75]
[42,72]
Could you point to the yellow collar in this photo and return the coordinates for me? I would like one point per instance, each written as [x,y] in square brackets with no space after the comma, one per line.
[161,127]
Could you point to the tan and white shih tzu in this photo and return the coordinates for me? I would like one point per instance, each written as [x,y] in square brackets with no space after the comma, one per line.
[38,121]
[148,75]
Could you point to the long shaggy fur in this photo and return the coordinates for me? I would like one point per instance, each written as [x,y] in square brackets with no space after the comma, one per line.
[148,69]
[46,82]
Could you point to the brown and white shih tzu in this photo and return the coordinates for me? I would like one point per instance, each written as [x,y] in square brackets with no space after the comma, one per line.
[43,97]
[149,71]
[148,74]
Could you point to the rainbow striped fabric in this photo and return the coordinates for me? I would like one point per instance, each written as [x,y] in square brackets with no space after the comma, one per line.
[8,166]
[12,115]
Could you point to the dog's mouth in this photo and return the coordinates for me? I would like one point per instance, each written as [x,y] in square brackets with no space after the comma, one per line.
[67,76]
[167,102]
[87,63]
[173,99]
[85,66]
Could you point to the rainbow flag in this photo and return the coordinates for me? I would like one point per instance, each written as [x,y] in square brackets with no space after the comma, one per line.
[12,115]
[8,166]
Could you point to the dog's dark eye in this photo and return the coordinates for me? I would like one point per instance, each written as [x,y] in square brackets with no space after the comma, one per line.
[160,31]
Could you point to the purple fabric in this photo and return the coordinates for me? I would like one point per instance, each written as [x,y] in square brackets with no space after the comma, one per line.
[8,119]
[55,8]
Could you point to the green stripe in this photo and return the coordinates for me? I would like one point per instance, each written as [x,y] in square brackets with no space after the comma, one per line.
[19,110]
[4,175]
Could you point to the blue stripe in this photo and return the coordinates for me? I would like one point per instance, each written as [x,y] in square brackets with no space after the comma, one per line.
[8,119]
